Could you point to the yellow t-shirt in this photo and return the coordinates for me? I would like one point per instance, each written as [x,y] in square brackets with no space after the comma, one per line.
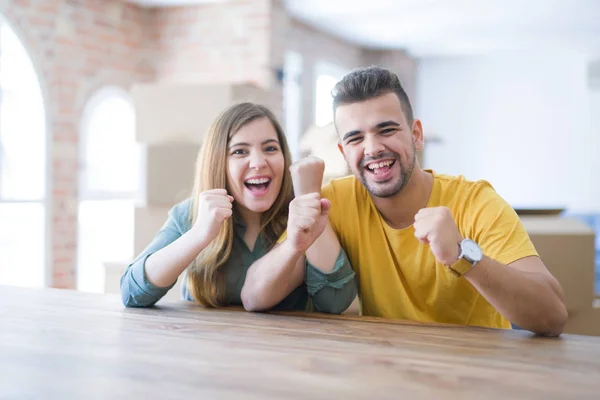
[398,276]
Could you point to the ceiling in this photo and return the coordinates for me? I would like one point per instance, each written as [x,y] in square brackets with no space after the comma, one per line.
[434,27]
[449,27]
[172,3]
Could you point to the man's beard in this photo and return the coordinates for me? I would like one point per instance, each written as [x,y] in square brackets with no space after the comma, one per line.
[388,189]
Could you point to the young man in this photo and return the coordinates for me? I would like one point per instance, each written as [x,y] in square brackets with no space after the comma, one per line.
[424,246]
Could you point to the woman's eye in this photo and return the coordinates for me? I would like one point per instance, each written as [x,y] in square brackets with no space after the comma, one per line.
[238,152]
[272,149]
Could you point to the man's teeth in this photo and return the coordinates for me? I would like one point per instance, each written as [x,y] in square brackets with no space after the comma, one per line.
[257,181]
[380,164]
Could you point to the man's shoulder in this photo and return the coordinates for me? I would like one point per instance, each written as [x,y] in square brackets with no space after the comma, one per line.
[460,185]
[465,196]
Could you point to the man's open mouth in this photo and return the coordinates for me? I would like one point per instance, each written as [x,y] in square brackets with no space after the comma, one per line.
[380,167]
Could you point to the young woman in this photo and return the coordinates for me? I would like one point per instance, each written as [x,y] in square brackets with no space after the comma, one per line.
[237,213]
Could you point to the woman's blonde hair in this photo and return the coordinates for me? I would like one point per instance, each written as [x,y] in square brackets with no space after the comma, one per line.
[204,277]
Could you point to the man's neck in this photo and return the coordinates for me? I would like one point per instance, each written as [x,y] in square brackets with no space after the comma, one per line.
[399,211]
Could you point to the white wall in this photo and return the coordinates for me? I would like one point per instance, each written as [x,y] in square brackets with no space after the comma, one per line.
[521,121]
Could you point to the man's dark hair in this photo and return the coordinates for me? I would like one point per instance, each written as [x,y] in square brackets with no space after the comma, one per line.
[368,82]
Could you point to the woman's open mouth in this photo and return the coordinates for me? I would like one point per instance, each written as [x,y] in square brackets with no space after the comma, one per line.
[258,186]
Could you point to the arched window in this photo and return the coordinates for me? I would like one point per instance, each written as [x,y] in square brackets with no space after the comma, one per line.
[22,166]
[327,75]
[108,186]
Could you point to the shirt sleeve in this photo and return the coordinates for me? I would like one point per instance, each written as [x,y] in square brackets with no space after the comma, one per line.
[496,227]
[332,292]
[136,289]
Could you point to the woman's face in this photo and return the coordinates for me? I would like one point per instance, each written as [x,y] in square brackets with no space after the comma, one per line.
[255,166]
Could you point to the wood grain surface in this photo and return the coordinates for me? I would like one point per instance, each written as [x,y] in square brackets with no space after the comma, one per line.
[59,344]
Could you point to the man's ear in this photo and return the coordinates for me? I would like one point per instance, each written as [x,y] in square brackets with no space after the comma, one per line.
[417,133]
[341,149]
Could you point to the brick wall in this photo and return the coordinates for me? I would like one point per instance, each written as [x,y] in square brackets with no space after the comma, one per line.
[216,43]
[213,43]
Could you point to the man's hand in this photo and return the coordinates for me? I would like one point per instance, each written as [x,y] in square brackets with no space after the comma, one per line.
[307,175]
[435,226]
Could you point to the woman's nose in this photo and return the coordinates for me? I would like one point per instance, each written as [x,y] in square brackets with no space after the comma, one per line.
[257,161]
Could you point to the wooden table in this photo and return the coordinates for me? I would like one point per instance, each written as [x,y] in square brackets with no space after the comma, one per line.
[57,344]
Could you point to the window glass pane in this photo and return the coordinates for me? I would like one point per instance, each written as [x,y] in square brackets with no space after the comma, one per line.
[15,63]
[22,123]
[22,244]
[324,101]
[105,235]
[111,154]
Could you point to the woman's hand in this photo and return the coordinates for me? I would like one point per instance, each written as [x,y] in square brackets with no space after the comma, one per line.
[214,207]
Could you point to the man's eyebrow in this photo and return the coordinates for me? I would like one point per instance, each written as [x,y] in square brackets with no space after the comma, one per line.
[385,124]
[350,134]
[380,125]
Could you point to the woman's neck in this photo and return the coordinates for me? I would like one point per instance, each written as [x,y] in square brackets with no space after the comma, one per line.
[252,223]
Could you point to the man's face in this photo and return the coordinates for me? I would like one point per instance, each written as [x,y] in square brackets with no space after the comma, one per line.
[378,143]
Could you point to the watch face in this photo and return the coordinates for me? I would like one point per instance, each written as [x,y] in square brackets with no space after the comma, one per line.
[471,250]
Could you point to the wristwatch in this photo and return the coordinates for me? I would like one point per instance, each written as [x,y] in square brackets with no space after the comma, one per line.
[469,255]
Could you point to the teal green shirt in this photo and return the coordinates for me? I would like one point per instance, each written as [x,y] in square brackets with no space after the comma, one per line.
[330,292]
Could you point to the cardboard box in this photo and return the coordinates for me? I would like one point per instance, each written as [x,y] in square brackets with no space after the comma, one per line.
[168,171]
[147,223]
[178,112]
[584,322]
[566,246]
